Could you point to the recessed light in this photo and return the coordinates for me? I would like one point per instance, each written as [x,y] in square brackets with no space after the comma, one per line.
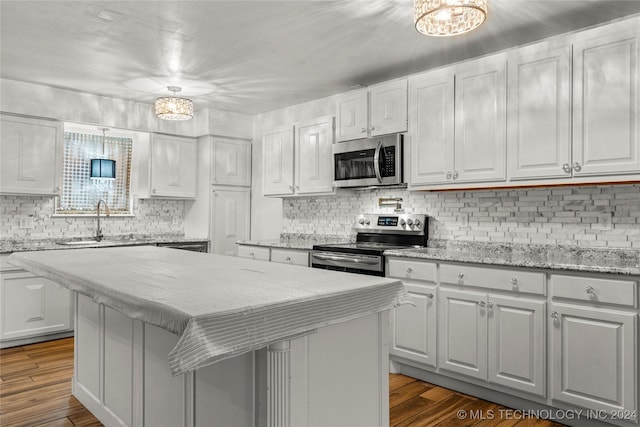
[109,15]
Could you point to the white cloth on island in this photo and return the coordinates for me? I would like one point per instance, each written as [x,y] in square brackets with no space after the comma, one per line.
[220,306]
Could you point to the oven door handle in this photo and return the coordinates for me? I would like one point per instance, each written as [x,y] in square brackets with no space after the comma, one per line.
[376,162]
[346,258]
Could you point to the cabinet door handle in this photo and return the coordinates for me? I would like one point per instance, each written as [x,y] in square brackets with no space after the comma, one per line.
[291,187]
[372,128]
[430,295]
[482,304]
[153,191]
[577,167]
[566,168]
[297,187]
[490,305]
[363,130]
[449,175]
[554,314]
[591,290]
[455,175]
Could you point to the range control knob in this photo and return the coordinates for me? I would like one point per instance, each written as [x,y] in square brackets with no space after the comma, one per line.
[402,222]
[361,221]
[410,222]
[417,223]
[366,221]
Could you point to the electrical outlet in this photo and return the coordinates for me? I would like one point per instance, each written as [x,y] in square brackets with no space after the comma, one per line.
[604,221]
[27,222]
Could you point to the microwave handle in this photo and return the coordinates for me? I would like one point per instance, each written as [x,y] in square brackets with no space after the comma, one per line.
[376,162]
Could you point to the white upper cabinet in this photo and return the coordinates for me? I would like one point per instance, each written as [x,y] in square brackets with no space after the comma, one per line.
[231,162]
[431,127]
[352,115]
[298,159]
[458,124]
[480,121]
[539,116]
[605,101]
[378,110]
[31,156]
[314,156]
[277,162]
[173,167]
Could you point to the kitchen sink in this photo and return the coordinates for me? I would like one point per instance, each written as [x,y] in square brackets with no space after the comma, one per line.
[88,242]
[104,242]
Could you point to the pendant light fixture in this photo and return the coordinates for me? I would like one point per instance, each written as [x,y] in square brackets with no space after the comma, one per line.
[173,107]
[103,168]
[443,18]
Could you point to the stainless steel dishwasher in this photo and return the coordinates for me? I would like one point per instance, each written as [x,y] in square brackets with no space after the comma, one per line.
[202,246]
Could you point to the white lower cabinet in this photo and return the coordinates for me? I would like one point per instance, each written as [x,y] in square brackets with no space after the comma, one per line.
[593,334]
[569,341]
[280,255]
[290,256]
[254,252]
[463,333]
[415,326]
[32,306]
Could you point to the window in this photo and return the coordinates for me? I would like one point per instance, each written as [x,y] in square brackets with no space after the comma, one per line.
[80,193]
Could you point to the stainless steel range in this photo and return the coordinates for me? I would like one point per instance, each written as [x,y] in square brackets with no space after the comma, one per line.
[375,234]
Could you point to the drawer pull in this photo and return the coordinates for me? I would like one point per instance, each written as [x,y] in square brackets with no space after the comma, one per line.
[460,275]
[288,258]
[554,315]
[591,290]
[409,270]
[514,282]
[430,295]
[251,254]
[482,304]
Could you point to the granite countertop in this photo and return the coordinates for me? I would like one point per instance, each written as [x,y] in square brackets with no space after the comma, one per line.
[21,245]
[553,257]
[298,240]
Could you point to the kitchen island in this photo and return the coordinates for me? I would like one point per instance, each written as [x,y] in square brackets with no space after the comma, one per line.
[174,338]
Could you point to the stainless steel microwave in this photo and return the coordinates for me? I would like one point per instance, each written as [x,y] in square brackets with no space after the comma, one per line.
[368,162]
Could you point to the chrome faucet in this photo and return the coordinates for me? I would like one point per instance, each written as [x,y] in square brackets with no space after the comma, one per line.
[99,234]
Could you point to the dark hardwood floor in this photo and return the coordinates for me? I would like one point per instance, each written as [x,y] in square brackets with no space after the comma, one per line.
[35,390]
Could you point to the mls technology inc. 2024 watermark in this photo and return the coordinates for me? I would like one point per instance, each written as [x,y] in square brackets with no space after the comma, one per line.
[546,414]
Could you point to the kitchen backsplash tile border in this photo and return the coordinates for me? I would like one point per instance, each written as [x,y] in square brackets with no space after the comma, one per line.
[151,216]
[586,216]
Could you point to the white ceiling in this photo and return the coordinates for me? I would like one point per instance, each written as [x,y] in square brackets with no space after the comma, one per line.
[255,56]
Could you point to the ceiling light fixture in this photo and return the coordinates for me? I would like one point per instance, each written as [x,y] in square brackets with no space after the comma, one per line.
[443,18]
[173,107]
[103,168]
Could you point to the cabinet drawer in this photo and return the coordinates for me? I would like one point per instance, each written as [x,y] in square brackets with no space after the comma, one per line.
[254,252]
[290,256]
[493,278]
[414,270]
[609,291]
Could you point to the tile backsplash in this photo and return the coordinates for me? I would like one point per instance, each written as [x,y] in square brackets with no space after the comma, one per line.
[151,217]
[589,216]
